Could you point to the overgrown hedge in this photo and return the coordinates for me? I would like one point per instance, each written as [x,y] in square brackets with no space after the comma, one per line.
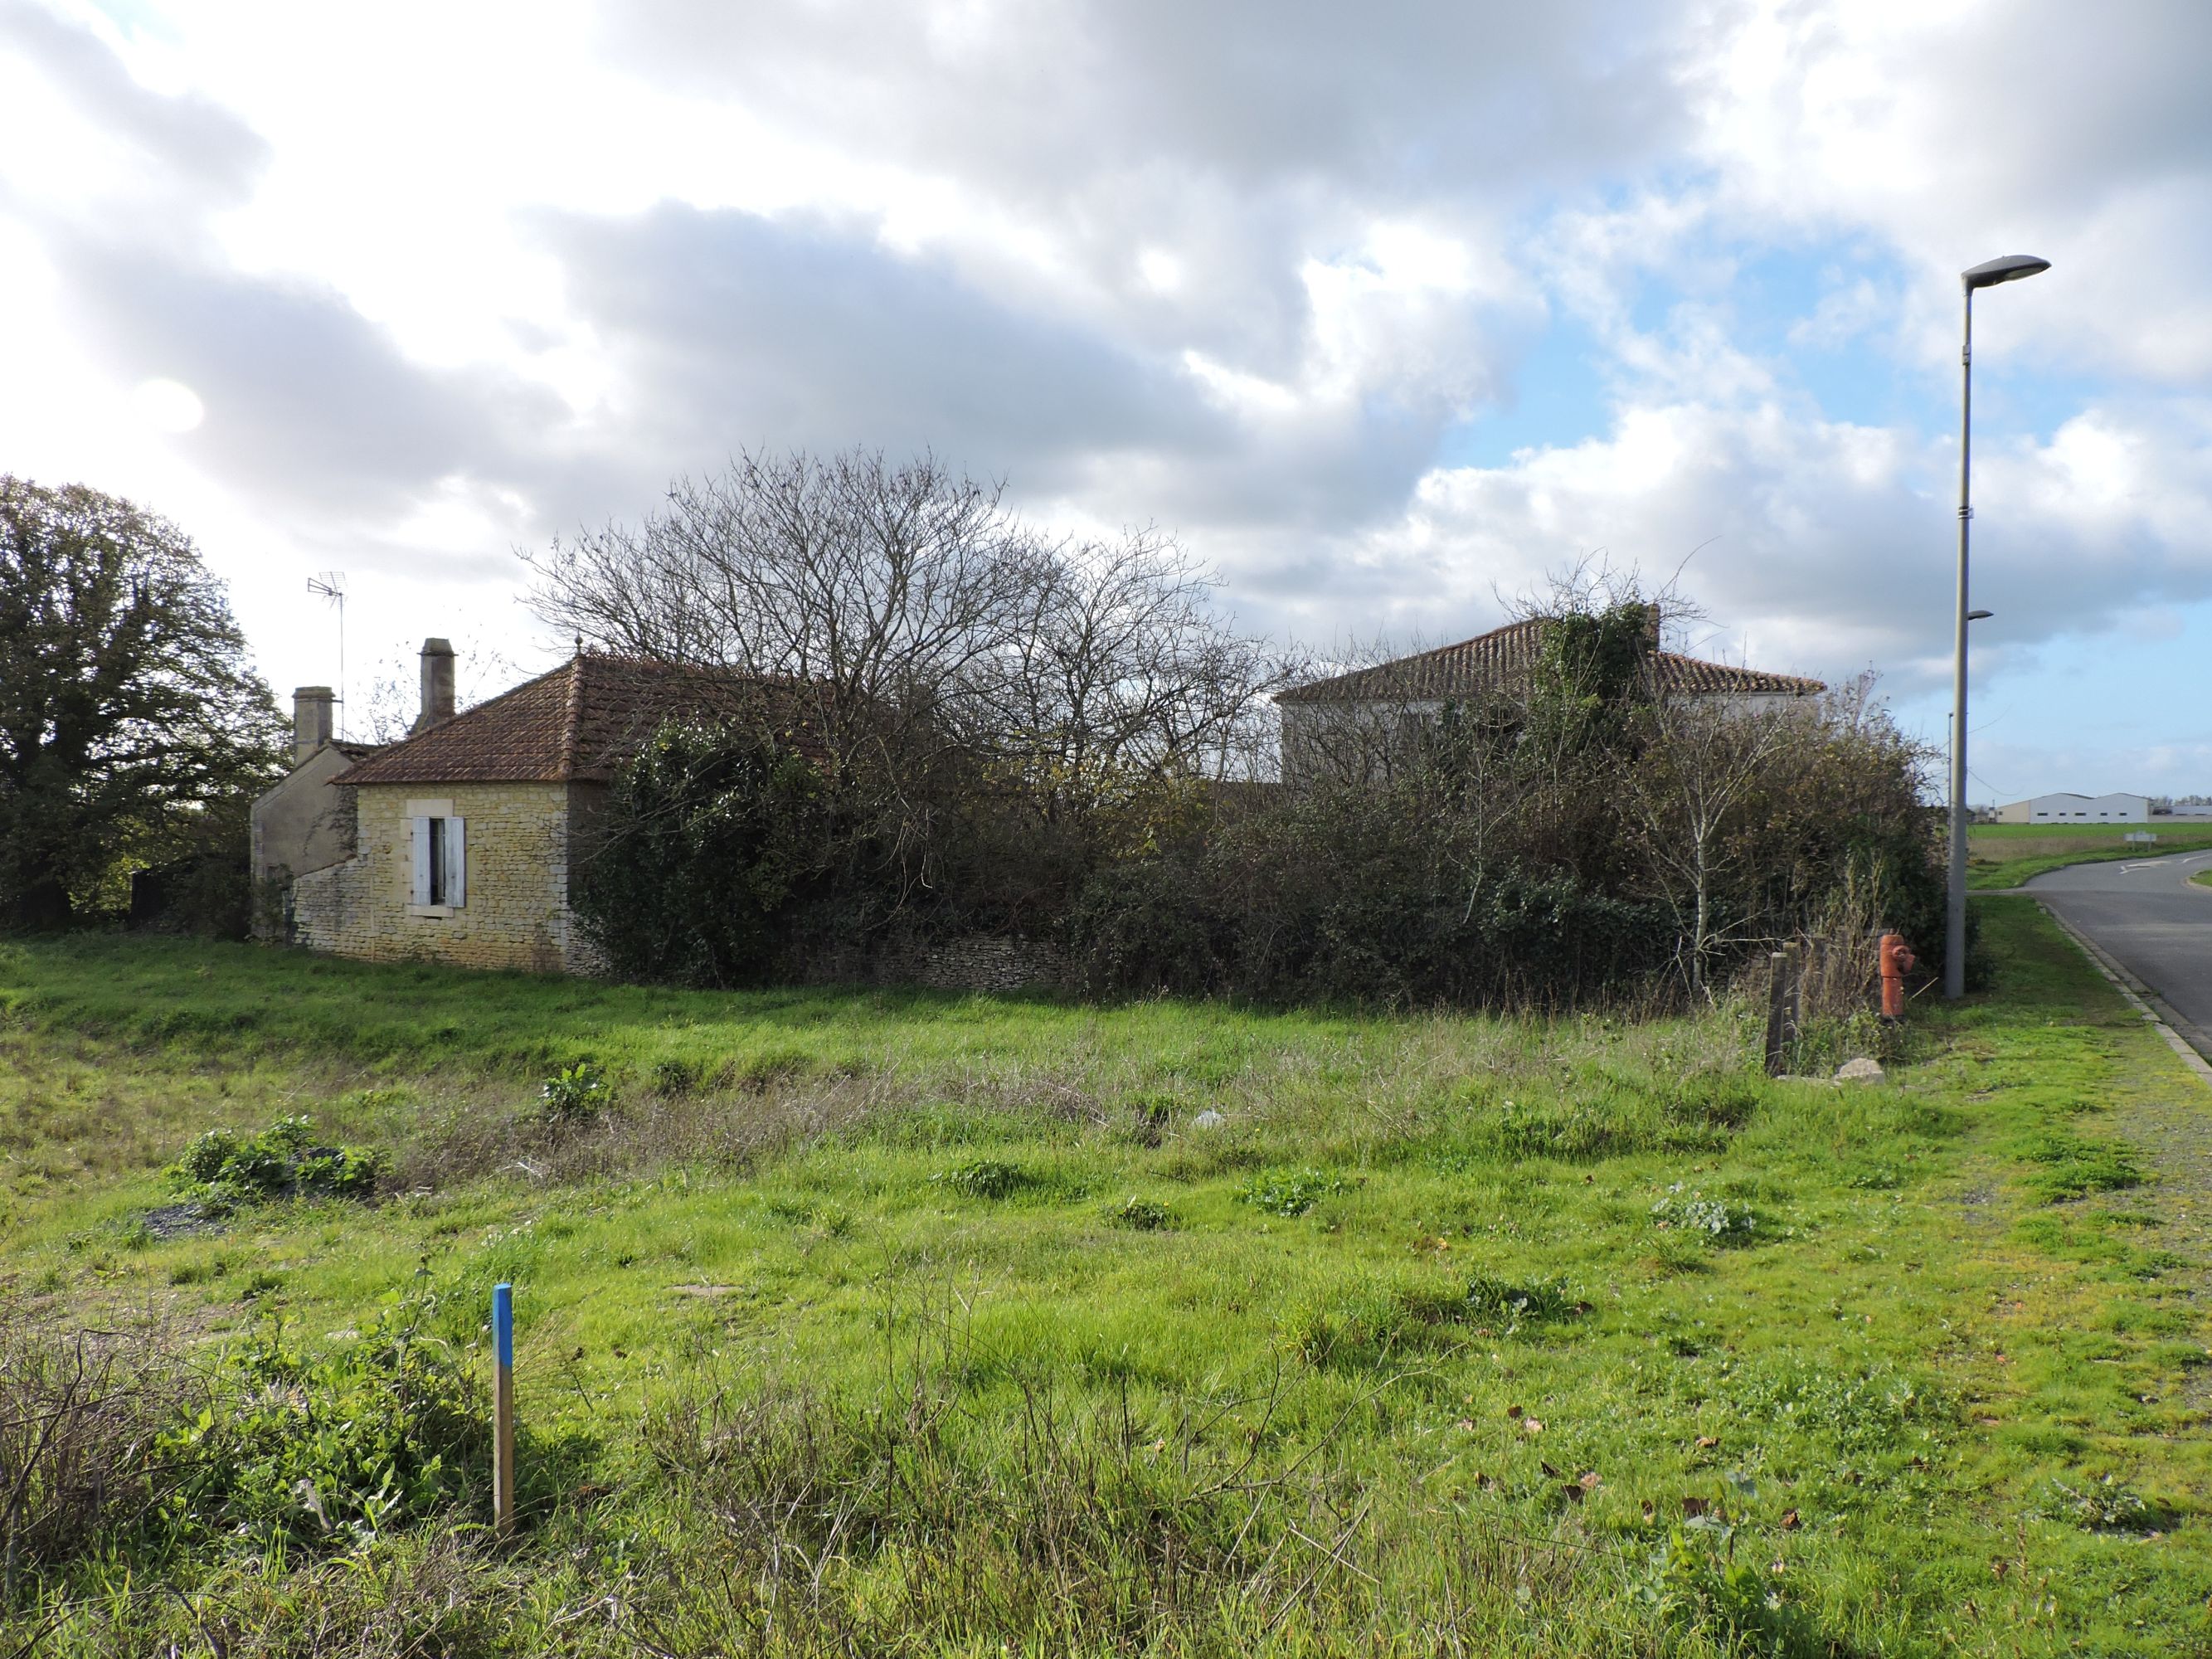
[713,835]
[1528,852]
[1174,924]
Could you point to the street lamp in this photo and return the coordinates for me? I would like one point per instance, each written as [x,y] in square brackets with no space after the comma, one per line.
[1988,274]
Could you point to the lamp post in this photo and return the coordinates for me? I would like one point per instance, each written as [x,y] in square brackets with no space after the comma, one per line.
[1988,274]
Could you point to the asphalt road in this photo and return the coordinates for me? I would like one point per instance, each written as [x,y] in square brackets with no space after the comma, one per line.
[2150,918]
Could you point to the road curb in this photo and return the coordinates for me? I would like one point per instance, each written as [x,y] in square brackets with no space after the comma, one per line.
[2147,1002]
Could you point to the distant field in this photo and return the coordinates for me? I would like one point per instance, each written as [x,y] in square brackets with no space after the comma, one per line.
[928,1324]
[2006,854]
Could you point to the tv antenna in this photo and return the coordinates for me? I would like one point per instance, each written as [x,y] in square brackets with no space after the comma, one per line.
[331,586]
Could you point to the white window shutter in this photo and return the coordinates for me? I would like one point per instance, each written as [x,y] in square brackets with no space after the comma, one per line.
[457,863]
[421,860]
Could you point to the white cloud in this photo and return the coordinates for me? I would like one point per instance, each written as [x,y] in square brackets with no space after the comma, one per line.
[168,405]
[446,279]
[1827,544]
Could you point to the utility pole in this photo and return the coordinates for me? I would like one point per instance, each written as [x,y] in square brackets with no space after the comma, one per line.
[1990,272]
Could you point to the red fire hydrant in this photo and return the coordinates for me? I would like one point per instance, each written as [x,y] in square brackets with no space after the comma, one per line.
[1896,961]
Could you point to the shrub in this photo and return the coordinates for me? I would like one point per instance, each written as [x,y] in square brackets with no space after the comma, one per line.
[1292,1192]
[1862,1414]
[985,1178]
[108,1439]
[79,1418]
[1148,924]
[1696,1584]
[223,1171]
[2105,1504]
[677,1077]
[1329,896]
[1371,1324]
[1142,1215]
[1545,1301]
[1711,1219]
[334,1449]
[712,835]
[574,1094]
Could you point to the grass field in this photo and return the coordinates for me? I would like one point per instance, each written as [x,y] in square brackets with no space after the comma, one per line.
[861,1322]
[2006,854]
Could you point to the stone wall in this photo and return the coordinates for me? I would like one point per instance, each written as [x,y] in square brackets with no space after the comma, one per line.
[978,962]
[306,822]
[518,839]
[982,962]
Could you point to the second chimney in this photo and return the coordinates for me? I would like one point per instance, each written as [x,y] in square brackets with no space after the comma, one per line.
[437,684]
[313,723]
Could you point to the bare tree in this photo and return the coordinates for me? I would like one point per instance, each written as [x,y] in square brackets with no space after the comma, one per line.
[1701,761]
[924,633]
[1121,673]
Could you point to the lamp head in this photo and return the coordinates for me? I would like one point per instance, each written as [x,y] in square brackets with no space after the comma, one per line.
[2009,269]
[1979,615]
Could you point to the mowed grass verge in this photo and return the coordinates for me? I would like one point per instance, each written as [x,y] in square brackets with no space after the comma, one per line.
[928,1324]
[2006,854]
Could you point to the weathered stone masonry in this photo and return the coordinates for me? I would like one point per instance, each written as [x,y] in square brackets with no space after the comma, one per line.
[518,847]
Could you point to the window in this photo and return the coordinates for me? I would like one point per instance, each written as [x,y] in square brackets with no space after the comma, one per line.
[437,894]
[441,858]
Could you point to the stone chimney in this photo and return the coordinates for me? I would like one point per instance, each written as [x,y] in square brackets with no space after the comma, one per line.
[437,684]
[1652,617]
[313,720]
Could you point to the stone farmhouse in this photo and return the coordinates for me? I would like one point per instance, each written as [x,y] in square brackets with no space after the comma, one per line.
[456,844]
[1345,725]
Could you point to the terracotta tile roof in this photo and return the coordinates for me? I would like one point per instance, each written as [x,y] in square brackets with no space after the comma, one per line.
[1493,661]
[574,724]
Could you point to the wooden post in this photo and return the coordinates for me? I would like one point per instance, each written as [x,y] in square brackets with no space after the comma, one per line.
[1777,1004]
[503,1408]
[1794,1015]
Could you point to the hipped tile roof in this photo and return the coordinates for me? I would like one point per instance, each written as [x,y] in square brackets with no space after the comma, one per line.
[1497,660]
[574,724]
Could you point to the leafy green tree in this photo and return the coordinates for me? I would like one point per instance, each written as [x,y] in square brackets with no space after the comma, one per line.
[130,721]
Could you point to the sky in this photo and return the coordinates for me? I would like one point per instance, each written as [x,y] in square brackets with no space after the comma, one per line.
[1384,312]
